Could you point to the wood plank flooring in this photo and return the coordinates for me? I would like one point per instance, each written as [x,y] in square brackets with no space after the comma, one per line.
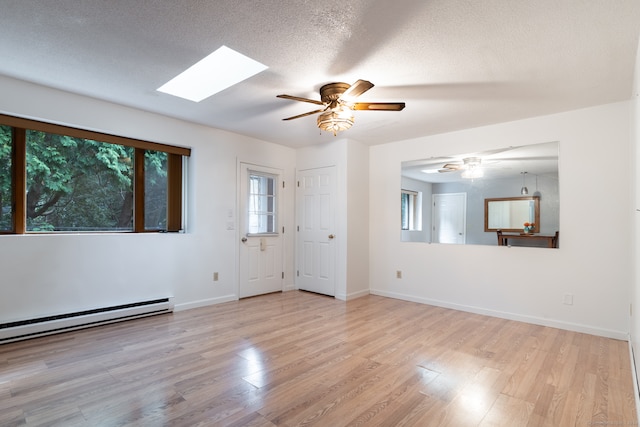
[300,359]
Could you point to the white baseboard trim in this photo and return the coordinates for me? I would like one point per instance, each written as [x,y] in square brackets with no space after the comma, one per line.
[358,294]
[634,378]
[607,333]
[205,302]
[288,288]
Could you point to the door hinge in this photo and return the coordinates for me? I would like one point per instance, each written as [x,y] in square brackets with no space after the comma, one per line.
[298,183]
[298,228]
[298,273]
[282,184]
[282,230]
[283,274]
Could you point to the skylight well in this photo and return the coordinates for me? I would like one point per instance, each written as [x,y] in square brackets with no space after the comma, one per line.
[216,72]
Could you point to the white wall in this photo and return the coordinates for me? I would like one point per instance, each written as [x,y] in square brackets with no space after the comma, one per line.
[634,326]
[593,263]
[51,274]
[357,220]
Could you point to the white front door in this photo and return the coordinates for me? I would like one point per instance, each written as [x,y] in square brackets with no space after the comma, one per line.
[261,268]
[449,218]
[315,195]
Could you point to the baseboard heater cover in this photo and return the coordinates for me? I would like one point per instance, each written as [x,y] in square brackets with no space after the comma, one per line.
[37,327]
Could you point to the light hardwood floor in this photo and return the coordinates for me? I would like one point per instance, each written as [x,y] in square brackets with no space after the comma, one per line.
[297,358]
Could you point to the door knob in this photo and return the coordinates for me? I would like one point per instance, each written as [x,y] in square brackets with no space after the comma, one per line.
[244,240]
[331,236]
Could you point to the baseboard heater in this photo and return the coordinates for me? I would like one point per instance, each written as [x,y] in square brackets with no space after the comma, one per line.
[37,327]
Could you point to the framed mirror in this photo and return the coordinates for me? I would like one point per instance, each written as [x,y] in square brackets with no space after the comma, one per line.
[442,199]
[511,213]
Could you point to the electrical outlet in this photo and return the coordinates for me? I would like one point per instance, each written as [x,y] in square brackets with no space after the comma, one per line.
[568,299]
[399,274]
[215,276]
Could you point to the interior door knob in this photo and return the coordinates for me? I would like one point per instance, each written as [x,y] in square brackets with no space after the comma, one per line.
[331,236]
[244,240]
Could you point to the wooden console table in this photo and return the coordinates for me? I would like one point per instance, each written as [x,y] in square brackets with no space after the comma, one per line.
[551,241]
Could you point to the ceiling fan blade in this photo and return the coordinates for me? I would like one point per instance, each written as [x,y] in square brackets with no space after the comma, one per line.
[304,115]
[356,89]
[297,98]
[379,106]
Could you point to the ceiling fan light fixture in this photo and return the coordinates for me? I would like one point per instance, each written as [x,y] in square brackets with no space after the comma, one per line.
[472,168]
[472,172]
[335,121]
[337,100]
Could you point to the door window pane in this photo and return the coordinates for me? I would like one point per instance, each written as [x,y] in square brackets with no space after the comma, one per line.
[6,181]
[155,190]
[262,203]
[76,184]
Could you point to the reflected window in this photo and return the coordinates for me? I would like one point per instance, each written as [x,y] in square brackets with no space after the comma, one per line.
[410,210]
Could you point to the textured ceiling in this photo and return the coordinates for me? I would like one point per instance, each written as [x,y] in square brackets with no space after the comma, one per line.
[456,63]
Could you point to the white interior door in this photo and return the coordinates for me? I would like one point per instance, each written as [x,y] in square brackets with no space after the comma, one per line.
[316,203]
[449,218]
[261,268]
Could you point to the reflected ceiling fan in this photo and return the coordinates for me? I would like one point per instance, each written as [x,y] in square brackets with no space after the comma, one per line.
[338,100]
[467,163]
[470,167]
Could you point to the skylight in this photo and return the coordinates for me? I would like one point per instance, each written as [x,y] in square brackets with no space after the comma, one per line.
[221,69]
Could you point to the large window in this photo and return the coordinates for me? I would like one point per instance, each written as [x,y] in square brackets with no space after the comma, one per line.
[76,184]
[57,179]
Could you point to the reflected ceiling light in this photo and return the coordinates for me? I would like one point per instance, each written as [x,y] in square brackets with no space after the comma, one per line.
[335,120]
[524,190]
[216,72]
[472,168]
